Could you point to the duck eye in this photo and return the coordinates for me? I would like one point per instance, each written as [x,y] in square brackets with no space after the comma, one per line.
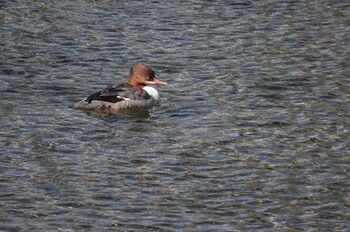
[148,78]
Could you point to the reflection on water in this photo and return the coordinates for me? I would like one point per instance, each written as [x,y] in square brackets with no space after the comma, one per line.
[252,132]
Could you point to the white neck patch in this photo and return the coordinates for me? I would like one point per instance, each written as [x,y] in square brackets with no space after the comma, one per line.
[152,92]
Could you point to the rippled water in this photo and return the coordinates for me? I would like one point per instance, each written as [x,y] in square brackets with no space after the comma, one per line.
[252,132]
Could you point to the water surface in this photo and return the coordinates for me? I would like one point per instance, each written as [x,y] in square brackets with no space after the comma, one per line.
[251,134]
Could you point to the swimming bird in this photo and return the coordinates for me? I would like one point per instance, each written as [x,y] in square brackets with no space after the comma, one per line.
[134,93]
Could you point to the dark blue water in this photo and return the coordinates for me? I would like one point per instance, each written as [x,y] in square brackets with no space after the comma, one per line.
[251,134]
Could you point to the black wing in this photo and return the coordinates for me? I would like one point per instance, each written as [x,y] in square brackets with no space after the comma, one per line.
[116,93]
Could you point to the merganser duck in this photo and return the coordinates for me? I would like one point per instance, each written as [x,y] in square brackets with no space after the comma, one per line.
[132,94]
